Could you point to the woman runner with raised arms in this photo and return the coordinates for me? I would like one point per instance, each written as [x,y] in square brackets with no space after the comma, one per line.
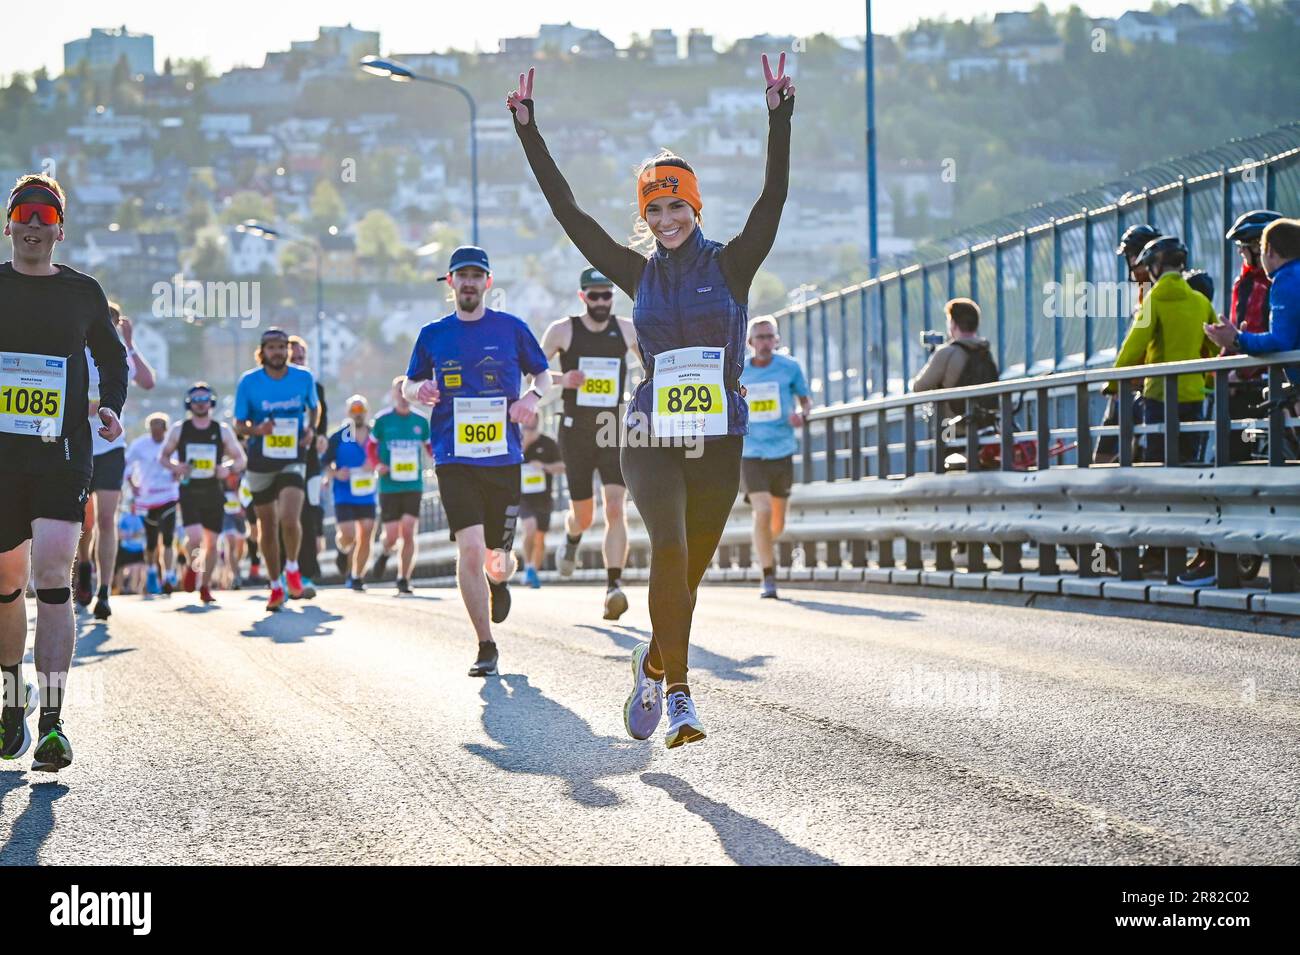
[690,310]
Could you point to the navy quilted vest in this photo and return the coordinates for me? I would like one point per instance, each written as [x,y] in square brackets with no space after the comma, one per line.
[683,301]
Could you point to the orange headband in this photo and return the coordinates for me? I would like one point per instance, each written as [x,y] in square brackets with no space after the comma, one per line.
[657,182]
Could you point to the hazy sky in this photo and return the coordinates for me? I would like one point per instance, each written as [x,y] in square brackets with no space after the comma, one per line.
[240,32]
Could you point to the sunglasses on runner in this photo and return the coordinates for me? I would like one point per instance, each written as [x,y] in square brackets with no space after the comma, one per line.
[600,296]
[201,398]
[23,212]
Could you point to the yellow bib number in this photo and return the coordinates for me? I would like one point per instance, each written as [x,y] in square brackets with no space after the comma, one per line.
[38,402]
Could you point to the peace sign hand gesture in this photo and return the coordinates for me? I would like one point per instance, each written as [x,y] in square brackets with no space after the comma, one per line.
[779,86]
[515,98]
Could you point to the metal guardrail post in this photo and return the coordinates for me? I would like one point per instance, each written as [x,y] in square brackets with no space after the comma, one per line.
[1087,277]
[1175,558]
[884,338]
[1225,246]
[1185,199]
[826,352]
[882,444]
[1282,572]
[1058,346]
[806,475]
[830,446]
[1083,433]
[865,337]
[911,548]
[1046,552]
[904,333]
[1009,552]
[1227,572]
[1000,304]
[1029,301]
[844,350]
[855,448]
[1170,426]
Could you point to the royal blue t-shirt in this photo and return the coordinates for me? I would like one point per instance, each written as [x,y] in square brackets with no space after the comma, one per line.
[480,359]
[345,452]
[773,439]
[259,396]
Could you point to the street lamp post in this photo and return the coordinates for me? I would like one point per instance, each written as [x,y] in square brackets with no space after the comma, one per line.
[873,241]
[400,73]
[253,227]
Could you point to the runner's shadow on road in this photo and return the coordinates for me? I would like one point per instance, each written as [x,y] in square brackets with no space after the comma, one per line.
[293,625]
[746,840]
[847,611]
[539,737]
[90,645]
[724,668]
[34,824]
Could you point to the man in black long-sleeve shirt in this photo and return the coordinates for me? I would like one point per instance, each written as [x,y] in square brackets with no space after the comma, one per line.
[49,315]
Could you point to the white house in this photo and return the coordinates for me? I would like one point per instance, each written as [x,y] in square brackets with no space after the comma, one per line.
[1140,27]
[250,254]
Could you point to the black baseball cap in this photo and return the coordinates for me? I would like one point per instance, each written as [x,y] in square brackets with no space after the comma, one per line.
[592,277]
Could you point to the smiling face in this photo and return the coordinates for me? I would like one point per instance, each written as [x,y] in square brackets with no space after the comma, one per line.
[33,242]
[671,220]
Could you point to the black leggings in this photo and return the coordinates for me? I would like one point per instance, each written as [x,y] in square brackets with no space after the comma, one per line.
[684,502]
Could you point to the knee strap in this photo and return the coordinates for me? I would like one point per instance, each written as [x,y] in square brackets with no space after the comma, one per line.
[54,595]
[10,598]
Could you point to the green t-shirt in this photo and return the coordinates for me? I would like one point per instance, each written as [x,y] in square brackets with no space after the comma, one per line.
[405,436]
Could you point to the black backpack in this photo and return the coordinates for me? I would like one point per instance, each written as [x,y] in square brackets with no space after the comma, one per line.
[980,369]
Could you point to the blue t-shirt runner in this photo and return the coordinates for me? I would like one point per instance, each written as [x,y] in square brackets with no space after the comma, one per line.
[772,392]
[478,367]
[345,451]
[287,401]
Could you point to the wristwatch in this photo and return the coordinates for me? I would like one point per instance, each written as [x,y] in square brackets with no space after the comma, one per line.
[532,390]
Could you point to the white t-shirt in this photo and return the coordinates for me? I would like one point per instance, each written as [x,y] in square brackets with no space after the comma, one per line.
[157,485]
[100,445]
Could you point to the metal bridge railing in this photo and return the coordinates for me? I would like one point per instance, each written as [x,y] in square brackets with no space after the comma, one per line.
[1055,296]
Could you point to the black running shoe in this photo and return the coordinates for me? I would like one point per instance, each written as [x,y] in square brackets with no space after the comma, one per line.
[102,609]
[404,586]
[500,599]
[341,560]
[358,585]
[380,565]
[84,591]
[486,662]
[615,603]
[15,737]
[53,752]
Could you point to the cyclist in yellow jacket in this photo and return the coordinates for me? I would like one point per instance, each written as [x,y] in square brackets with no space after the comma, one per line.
[1170,326]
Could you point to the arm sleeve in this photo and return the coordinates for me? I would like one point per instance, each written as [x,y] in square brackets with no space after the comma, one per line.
[372,451]
[931,376]
[1134,349]
[743,255]
[621,264]
[243,402]
[110,358]
[531,357]
[800,384]
[1284,325]
[419,368]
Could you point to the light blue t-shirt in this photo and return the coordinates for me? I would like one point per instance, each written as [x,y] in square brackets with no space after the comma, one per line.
[259,396]
[781,380]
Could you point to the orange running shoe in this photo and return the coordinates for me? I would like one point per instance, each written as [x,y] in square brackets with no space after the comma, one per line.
[277,598]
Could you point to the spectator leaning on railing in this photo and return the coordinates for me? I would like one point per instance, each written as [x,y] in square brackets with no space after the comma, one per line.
[1131,244]
[1279,253]
[965,359]
[1168,327]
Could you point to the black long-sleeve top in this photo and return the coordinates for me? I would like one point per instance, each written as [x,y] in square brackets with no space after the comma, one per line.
[740,258]
[59,316]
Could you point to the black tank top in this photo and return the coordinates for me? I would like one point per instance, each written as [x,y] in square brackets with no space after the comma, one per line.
[210,436]
[585,343]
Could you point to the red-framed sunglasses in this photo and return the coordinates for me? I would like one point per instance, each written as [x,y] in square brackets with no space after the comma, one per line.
[24,211]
